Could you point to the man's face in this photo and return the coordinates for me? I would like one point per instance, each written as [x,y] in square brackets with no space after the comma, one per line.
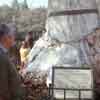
[10,40]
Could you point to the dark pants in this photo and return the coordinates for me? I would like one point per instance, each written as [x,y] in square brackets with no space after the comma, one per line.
[97,96]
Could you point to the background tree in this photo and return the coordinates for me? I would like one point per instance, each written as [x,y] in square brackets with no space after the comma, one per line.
[15,5]
[26,19]
[25,5]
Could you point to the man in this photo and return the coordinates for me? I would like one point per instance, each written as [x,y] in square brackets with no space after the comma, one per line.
[29,39]
[10,83]
[97,77]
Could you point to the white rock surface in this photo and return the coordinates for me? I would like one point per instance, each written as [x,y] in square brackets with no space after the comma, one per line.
[51,49]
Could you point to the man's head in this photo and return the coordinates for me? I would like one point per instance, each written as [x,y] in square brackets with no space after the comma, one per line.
[7,35]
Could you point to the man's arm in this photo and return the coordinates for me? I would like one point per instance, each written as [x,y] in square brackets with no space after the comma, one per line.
[4,88]
[15,82]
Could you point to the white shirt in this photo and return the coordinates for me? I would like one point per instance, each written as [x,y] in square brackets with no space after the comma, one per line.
[3,48]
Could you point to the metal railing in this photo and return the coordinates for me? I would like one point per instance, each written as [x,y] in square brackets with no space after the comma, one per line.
[52,87]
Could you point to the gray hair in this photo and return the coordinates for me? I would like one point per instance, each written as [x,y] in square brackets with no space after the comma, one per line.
[6,29]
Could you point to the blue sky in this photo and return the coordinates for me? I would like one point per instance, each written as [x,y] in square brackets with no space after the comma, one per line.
[31,3]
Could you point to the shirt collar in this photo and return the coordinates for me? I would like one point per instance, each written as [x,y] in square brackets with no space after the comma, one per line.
[3,48]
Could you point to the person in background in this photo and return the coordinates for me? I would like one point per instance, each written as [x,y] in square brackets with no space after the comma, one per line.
[10,80]
[97,77]
[29,39]
[24,51]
